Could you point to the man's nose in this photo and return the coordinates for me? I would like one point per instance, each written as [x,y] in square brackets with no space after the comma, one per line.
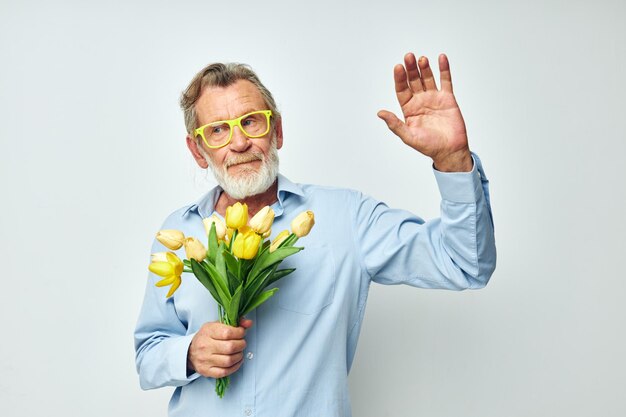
[239,142]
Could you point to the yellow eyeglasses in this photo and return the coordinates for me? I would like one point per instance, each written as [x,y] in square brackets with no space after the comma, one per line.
[218,134]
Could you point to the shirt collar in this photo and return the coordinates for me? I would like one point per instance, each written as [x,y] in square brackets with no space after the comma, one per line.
[205,206]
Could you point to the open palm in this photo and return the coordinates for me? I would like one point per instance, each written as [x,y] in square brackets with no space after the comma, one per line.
[433,124]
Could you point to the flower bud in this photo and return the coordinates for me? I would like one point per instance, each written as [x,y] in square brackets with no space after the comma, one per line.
[194,249]
[220,226]
[171,239]
[246,245]
[302,224]
[278,240]
[262,221]
[237,215]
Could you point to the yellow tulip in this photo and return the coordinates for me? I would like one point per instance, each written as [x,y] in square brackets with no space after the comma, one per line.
[303,223]
[194,249]
[170,269]
[244,229]
[237,215]
[171,239]
[229,234]
[220,227]
[246,245]
[158,257]
[262,221]
[278,240]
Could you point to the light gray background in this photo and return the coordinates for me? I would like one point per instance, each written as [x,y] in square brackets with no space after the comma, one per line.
[93,159]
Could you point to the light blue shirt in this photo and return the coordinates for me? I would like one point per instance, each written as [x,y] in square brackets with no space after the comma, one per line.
[301,346]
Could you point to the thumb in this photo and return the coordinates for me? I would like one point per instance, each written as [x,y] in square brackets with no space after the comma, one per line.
[394,124]
[245,323]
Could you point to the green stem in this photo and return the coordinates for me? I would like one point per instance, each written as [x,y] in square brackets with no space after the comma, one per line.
[232,239]
[221,385]
[220,311]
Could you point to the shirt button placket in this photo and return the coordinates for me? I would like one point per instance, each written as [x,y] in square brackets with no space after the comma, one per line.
[249,371]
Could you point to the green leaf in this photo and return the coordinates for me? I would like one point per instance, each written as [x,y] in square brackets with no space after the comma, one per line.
[231,262]
[220,265]
[246,265]
[278,275]
[233,307]
[264,247]
[212,252]
[232,278]
[258,300]
[290,241]
[219,282]
[203,276]
[269,259]
[232,239]
[257,285]
[260,257]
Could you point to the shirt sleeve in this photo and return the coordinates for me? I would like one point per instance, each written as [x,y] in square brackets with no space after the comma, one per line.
[161,341]
[456,251]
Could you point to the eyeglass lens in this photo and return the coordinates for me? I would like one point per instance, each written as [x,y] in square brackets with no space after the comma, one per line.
[252,125]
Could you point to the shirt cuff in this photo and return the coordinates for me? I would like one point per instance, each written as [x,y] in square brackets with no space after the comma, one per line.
[460,187]
[179,352]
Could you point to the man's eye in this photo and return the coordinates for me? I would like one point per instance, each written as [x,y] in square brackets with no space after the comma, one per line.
[248,121]
[216,130]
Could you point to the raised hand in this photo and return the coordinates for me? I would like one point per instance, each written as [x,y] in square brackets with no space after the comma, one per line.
[433,124]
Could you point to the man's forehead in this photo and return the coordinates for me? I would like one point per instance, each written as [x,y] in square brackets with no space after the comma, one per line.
[228,102]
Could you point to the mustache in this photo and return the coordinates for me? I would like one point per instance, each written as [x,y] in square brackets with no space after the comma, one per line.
[242,159]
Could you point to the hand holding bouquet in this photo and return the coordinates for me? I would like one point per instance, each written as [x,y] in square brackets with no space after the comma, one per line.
[237,265]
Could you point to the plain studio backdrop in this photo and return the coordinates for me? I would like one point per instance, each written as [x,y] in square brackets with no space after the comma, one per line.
[93,159]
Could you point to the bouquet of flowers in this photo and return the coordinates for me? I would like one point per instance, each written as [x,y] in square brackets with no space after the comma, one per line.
[238,263]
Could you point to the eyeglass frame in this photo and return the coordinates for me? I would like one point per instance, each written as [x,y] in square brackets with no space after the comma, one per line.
[231,125]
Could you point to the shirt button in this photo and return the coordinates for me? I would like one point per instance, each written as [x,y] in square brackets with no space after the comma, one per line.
[247,412]
[250,355]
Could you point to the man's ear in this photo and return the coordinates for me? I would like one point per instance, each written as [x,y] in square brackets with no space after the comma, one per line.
[195,152]
[279,133]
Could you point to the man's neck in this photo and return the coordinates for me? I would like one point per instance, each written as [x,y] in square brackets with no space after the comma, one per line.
[254,202]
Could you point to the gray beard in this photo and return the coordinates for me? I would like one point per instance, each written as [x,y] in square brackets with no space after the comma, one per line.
[251,182]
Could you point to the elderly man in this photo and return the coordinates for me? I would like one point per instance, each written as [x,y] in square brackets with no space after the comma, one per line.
[291,356]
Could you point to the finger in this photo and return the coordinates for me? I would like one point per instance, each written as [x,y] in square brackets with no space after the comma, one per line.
[413,73]
[394,124]
[225,332]
[444,73]
[427,74]
[245,323]
[403,92]
[217,372]
[226,361]
[229,347]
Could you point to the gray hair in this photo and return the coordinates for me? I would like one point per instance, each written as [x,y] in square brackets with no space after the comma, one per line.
[220,75]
